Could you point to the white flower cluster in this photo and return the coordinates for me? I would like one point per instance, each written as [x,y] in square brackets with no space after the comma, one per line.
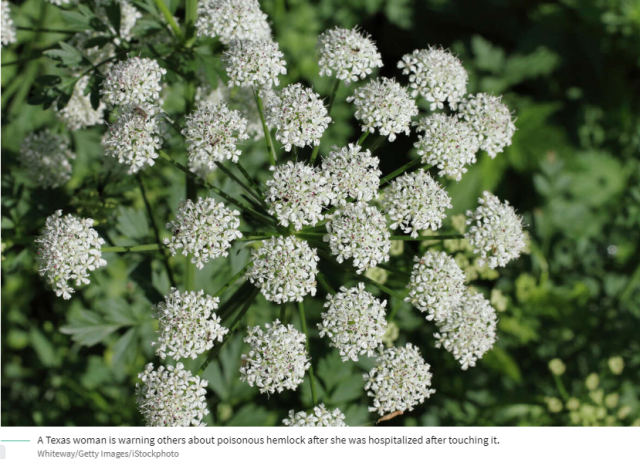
[285,269]
[321,417]
[232,20]
[448,143]
[129,15]
[78,113]
[212,132]
[254,63]
[62,2]
[171,397]
[352,173]
[299,115]
[360,232]
[8,34]
[350,54]
[277,360]
[47,158]
[436,286]
[470,331]
[354,321]
[133,83]
[495,231]
[491,120]
[437,75]
[385,105]
[399,381]
[296,194]
[415,202]
[68,248]
[187,325]
[204,229]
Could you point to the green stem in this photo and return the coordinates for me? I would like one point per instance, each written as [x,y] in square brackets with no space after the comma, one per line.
[41,30]
[169,17]
[265,128]
[393,270]
[363,137]
[376,143]
[385,180]
[561,388]
[252,182]
[324,284]
[312,379]
[236,179]
[232,281]
[442,237]
[332,98]
[283,312]
[132,248]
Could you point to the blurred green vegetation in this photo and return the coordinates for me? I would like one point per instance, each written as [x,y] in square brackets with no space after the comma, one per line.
[571,71]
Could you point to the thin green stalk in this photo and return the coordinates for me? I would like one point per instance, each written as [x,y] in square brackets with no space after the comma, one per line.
[332,98]
[283,312]
[236,179]
[312,379]
[376,143]
[132,248]
[41,30]
[363,137]
[438,237]
[393,270]
[265,128]
[561,388]
[252,182]
[324,284]
[232,281]
[169,17]
[385,180]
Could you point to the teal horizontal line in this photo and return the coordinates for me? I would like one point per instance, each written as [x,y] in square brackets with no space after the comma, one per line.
[15,440]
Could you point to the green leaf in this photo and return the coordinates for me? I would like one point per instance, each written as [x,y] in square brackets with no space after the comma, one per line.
[125,349]
[214,70]
[67,55]
[114,15]
[499,360]
[48,80]
[88,328]
[132,223]
[348,390]
[43,347]
[333,370]
[98,41]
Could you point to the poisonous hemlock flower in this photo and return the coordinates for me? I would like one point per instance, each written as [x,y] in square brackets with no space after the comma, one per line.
[132,83]
[435,74]
[360,232]
[78,113]
[448,143]
[299,115]
[436,286]
[285,269]
[385,105]
[68,248]
[296,194]
[254,63]
[8,35]
[46,158]
[350,54]
[352,173]
[354,321]
[491,120]
[415,202]
[277,360]
[399,381]
[469,331]
[232,20]
[171,397]
[495,231]
[321,417]
[204,229]
[187,324]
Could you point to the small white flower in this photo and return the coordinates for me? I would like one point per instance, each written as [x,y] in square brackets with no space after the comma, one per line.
[495,231]
[285,269]
[132,83]
[232,20]
[470,331]
[352,173]
[62,2]
[254,63]
[350,54]
[355,322]
[47,159]
[448,143]
[321,417]
[436,286]
[204,229]
[67,250]
[187,325]
[385,105]
[78,113]
[360,232]
[399,381]
[171,397]
[491,120]
[277,360]
[437,75]
[8,34]
[415,202]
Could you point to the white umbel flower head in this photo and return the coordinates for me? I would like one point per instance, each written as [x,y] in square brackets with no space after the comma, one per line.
[384,105]
[354,321]
[296,194]
[232,20]
[171,397]
[321,417]
[47,158]
[187,325]
[299,115]
[350,54]
[254,63]
[436,286]
[495,231]
[79,113]
[448,143]
[204,229]
[285,269]
[415,202]
[277,360]
[8,34]
[132,83]
[67,250]
[352,173]
[399,381]
[437,75]
[360,232]
[490,119]
[470,331]
[212,132]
